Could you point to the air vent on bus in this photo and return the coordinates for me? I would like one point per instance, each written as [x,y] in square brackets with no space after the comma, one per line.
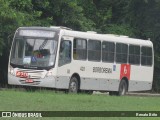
[123,36]
[60,27]
[92,32]
[117,35]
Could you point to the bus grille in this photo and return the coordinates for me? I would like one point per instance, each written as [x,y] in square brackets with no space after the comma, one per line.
[34,74]
[34,82]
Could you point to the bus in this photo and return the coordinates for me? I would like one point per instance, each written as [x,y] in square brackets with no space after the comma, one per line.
[75,61]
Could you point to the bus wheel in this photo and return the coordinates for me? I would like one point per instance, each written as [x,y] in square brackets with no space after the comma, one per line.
[73,85]
[122,88]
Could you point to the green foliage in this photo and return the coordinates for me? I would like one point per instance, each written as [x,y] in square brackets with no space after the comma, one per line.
[64,13]
[122,29]
[13,15]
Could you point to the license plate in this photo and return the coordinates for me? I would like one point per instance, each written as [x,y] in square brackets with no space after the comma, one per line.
[29,81]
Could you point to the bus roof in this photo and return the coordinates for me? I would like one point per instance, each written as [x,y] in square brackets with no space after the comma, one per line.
[107,37]
[95,36]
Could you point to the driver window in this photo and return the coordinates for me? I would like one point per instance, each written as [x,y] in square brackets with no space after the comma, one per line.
[65,53]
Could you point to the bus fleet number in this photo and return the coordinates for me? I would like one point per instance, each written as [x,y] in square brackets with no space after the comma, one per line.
[22,74]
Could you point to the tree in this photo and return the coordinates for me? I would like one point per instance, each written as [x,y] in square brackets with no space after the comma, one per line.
[64,13]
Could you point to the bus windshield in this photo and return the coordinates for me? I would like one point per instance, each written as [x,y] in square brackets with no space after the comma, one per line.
[36,52]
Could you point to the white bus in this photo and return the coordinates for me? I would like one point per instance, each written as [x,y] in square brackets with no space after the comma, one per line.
[58,57]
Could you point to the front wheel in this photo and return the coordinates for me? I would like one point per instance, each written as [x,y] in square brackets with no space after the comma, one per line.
[73,85]
[122,88]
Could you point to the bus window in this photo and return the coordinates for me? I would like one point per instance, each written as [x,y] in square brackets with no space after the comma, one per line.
[94,50]
[65,53]
[146,56]
[80,49]
[134,54]
[30,49]
[121,53]
[108,51]
[18,49]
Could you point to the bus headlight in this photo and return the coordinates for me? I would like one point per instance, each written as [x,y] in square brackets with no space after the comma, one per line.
[11,70]
[49,73]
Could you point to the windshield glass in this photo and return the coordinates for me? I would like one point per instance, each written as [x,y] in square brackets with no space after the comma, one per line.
[34,52]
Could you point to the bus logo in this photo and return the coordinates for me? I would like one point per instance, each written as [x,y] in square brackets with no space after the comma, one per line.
[125,71]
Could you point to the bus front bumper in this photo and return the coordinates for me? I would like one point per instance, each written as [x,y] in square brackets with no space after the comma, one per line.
[49,81]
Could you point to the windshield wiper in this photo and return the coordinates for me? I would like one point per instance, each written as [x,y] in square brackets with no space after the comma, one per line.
[43,44]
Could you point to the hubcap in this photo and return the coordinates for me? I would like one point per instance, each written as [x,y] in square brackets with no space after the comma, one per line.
[73,87]
[123,89]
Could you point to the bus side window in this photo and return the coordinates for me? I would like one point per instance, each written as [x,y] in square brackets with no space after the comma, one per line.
[134,54]
[65,53]
[108,51]
[80,49]
[94,50]
[146,56]
[121,53]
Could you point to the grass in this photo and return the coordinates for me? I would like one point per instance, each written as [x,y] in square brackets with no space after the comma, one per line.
[46,100]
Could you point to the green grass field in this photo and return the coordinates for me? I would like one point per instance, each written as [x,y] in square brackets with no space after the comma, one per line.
[47,100]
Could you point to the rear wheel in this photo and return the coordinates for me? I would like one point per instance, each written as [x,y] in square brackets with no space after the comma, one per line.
[122,88]
[73,85]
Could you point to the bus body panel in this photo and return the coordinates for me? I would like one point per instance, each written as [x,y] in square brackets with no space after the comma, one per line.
[92,79]
[63,75]
[141,78]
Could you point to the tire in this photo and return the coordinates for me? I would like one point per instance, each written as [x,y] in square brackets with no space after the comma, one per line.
[122,88]
[73,85]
